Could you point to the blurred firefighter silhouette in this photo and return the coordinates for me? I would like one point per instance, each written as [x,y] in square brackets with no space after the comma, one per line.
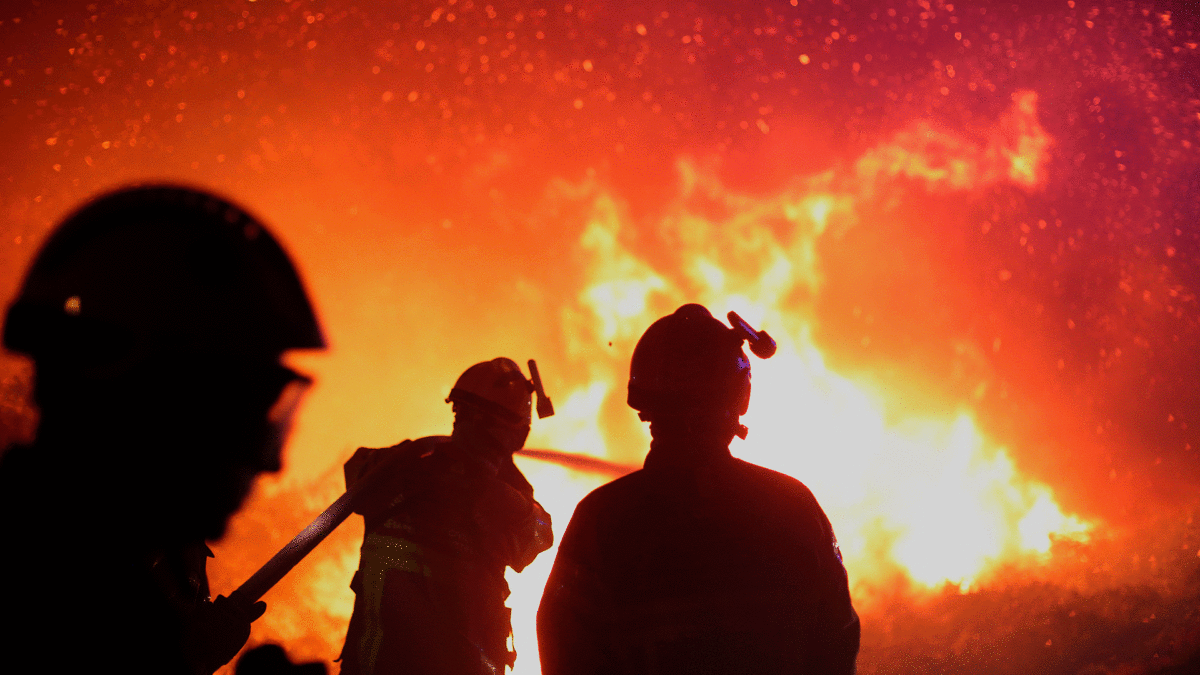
[449,515]
[699,562]
[155,317]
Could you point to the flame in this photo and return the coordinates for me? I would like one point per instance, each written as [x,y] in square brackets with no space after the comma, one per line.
[1016,150]
[928,496]
[409,198]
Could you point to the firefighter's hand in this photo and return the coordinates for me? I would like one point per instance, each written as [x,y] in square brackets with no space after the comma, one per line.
[217,630]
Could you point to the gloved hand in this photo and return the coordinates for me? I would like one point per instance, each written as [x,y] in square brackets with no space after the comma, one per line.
[216,631]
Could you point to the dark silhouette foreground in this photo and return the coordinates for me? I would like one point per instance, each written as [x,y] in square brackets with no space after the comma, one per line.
[155,318]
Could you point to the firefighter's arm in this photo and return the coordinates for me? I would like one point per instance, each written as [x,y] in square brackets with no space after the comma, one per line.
[837,637]
[513,522]
[841,630]
[538,536]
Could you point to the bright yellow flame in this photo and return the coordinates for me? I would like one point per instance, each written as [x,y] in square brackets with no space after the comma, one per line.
[623,282]
[1032,142]
[575,423]
[947,502]
[1044,519]
[712,275]
[1016,150]
[818,209]
[559,490]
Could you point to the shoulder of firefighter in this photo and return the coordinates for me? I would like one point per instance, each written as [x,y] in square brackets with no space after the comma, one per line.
[213,630]
[512,526]
[381,477]
[799,611]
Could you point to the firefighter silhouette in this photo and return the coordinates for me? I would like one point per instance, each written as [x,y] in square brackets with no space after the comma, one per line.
[155,318]
[451,514]
[699,562]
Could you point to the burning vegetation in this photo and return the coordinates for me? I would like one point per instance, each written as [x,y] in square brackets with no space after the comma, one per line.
[971,229]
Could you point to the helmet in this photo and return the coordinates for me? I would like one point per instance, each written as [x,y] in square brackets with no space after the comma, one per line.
[160,267]
[155,309]
[497,387]
[689,363]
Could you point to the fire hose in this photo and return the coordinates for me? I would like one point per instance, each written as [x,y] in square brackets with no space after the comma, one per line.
[302,544]
[761,344]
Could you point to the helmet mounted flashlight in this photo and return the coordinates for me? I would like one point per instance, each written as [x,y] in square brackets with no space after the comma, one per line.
[544,407]
[761,344]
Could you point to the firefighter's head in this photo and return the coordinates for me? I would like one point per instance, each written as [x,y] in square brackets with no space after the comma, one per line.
[156,318]
[689,370]
[492,406]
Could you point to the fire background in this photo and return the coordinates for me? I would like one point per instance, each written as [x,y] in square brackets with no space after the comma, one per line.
[972,228]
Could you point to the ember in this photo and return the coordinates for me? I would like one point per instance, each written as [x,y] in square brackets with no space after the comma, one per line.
[971,228]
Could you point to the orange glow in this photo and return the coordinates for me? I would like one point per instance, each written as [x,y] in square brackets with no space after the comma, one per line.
[949,503]
[1015,150]
[970,229]
[927,495]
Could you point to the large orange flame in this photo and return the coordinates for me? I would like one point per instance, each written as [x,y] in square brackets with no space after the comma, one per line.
[928,495]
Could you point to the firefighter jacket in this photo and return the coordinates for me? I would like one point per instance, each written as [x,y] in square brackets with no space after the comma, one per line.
[72,611]
[430,587]
[699,563]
